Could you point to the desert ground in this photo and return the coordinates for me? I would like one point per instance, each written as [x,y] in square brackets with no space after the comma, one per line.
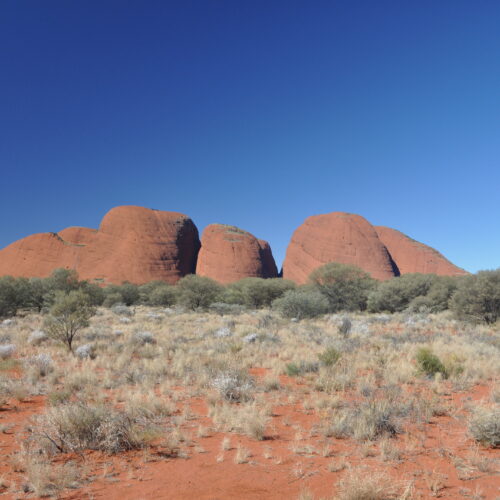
[161,403]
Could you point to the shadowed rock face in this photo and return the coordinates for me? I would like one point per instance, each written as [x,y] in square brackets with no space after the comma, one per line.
[132,244]
[336,237]
[229,254]
[413,257]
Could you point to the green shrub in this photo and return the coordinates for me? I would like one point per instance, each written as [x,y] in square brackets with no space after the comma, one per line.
[396,294]
[292,369]
[304,302]
[63,280]
[195,292]
[112,298]
[256,293]
[95,293]
[157,293]
[345,287]
[164,295]
[441,291]
[128,292]
[8,299]
[38,293]
[429,363]
[295,369]
[477,298]
[329,357]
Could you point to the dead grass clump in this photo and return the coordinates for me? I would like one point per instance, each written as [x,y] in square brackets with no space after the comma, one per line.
[359,485]
[45,479]
[367,420]
[246,419]
[40,365]
[78,426]
[485,426]
[271,383]
[140,407]
[242,454]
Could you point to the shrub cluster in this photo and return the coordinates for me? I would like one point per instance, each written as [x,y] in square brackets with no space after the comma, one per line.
[414,292]
[40,293]
[332,288]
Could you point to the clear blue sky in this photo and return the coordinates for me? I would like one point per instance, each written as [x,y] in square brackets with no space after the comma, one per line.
[255,113]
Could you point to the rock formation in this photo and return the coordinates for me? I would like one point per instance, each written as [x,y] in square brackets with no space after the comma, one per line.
[229,254]
[138,244]
[336,237]
[132,244]
[413,257]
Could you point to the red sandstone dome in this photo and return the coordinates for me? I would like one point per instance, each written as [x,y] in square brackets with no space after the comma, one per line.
[139,245]
[413,257]
[336,237]
[133,244]
[229,254]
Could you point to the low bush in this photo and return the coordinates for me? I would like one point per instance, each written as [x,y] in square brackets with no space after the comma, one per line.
[74,427]
[395,295]
[197,292]
[296,369]
[369,419]
[157,293]
[329,357]
[485,426]
[429,363]
[345,287]
[126,293]
[304,302]
[256,293]
[413,292]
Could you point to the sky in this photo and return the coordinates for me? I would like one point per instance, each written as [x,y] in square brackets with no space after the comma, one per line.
[256,114]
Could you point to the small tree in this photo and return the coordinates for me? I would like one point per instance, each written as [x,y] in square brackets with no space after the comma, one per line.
[197,291]
[69,313]
[345,287]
